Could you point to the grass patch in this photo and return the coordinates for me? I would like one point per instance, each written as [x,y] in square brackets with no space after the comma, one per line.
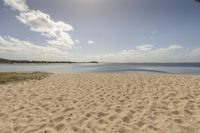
[7,77]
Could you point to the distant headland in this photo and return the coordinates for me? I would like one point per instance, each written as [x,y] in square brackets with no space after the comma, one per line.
[7,61]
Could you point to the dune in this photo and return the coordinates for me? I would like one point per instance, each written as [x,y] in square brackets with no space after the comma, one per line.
[102,103]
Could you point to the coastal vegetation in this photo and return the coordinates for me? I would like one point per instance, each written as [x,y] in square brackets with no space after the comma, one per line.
[7,77]
[7,61]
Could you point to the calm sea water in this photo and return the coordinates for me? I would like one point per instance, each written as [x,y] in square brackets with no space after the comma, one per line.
[171,68]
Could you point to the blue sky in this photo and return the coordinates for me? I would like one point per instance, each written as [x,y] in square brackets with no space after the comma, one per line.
[103,30]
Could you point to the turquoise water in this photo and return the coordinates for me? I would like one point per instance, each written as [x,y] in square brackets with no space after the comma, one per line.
[171,68]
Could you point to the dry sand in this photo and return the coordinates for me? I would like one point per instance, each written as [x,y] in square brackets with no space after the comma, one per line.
[102,103]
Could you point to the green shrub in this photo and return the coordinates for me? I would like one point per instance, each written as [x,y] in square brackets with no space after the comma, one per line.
[6,77]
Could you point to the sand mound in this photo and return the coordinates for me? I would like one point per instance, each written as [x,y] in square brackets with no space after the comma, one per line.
[102,103]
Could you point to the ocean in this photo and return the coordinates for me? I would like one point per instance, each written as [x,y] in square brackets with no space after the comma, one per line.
[168,68]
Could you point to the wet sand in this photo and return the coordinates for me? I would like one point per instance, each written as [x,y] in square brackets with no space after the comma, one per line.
[102,103]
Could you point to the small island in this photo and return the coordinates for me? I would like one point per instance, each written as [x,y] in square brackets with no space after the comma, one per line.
[7,61]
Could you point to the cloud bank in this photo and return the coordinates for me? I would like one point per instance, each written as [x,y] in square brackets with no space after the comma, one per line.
[150,53]
[37,21]
[17,49]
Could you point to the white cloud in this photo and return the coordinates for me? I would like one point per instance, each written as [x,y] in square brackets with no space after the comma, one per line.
[146,47]
[19,5]
[62,42]
[147,53]
[17,49]
[90,42]
[173,47]
[40,22]
[77,41]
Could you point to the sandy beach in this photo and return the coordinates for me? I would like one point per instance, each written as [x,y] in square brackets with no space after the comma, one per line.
[102,103]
